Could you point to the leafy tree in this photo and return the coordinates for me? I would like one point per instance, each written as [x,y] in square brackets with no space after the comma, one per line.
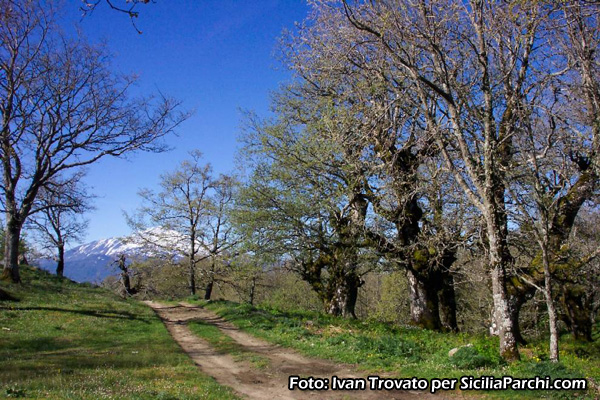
[300,207]
[388,154]
[62,108]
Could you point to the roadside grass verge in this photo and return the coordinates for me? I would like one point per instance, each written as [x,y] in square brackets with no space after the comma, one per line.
[226,345]
[63,340]
[412,352]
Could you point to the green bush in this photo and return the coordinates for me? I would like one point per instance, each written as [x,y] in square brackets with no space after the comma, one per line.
[15,392]
[384,347]
[394,346]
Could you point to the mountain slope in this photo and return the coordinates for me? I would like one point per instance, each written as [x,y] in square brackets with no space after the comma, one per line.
[94,261]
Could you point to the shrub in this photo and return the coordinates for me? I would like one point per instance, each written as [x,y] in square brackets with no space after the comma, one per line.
[548,368]
[15,392]
[469,358]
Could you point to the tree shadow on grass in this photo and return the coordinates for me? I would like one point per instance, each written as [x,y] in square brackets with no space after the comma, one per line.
[55,357]
[5,296]
[40,344]
[91,313]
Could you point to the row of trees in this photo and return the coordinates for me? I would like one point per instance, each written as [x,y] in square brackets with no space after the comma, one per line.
[414,133]
[415,129]
[62,109]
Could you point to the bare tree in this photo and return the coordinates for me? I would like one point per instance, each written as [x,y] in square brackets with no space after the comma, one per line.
[218,236]
[537,194]
[468,67]
[179,211]
[189,216]
[60,220]
[125,281]
[477,71]
[62,108]
[581,121]
[557,153]
[128,7]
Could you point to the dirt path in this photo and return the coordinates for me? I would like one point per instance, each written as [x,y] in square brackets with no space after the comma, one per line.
[254,383]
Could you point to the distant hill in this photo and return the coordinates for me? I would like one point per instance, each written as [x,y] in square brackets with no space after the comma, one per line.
[93,262]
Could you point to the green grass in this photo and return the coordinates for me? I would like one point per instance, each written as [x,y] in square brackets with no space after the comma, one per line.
[408,351]
[63,340]
[226,345]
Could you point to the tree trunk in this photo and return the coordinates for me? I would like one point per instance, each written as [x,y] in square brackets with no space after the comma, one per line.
[342,295]
[343,302]
[424,306]
[552,316]
[553,322]
[499,259]
[516,302]
[126,282]
[60,266]
[350,307]
[252,291]
[577,316]
[192,278]
[508,342]
[447,299]
[209,289]
[192,263]
[11,252]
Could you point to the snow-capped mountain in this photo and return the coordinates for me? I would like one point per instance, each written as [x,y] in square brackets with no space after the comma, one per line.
[94,261]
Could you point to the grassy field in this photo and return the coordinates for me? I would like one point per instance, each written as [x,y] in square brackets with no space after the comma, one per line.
[409,352]
[62,340]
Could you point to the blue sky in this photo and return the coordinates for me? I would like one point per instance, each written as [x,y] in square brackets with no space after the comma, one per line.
[216,56]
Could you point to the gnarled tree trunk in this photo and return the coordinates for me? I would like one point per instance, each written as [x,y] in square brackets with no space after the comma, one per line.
[516,301]
[342,293]
[577,315]
[424,305]
[209,289]
[447,298]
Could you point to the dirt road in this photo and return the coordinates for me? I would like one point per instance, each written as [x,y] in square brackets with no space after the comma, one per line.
[270,382]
